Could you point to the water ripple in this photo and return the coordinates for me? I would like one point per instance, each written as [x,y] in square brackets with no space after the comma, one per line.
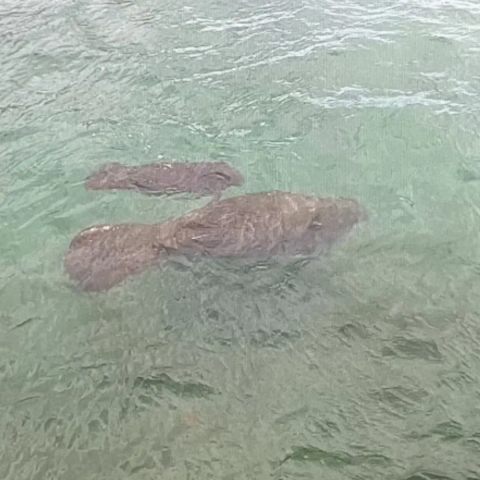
[364,364]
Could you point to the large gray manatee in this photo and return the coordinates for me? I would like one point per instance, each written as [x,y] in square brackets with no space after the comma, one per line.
[257,226]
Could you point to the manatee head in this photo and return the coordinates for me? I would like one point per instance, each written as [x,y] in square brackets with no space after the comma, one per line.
[336,217]
[219,176]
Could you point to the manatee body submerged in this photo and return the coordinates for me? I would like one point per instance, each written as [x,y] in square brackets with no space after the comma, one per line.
[162,178]
[260,225]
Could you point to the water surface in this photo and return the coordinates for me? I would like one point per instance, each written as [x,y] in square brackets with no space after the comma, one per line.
[363,365]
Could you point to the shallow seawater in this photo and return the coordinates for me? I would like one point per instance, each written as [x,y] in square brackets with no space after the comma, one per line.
[360,365]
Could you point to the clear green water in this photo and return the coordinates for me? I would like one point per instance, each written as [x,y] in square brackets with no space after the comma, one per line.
[363,365]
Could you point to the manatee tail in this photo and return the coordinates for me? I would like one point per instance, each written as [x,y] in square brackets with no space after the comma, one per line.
[104,256]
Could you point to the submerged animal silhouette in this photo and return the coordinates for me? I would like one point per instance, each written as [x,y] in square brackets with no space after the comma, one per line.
[162,178]
[260,225]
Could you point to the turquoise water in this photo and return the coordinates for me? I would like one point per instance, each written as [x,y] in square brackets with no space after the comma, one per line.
[362,365]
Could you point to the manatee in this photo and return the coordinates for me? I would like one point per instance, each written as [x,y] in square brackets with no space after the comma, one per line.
[201,178]
[251,226]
